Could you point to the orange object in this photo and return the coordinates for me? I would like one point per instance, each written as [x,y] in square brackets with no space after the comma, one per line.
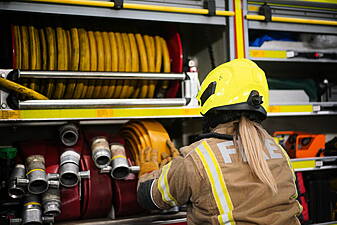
[300,144]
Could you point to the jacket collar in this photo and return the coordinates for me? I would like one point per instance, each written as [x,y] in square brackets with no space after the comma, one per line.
[225,128]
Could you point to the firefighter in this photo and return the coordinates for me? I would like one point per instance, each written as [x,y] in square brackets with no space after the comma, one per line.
[236,173]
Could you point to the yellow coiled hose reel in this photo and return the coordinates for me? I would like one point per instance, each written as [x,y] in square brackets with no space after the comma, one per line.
[78,49]
[141,134]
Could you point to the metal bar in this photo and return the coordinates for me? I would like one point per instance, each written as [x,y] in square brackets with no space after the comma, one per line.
[137,6]
[99,103]
[100,12]
[296,7]
[292,20]
[138,220]
[102,75]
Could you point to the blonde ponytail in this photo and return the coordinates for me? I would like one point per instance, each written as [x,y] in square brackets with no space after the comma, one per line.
[251,141]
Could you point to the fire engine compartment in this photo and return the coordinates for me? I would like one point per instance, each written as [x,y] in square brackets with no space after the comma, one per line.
[88,192]
[194,44]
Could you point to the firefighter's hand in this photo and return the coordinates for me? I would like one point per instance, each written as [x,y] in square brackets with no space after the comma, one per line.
[148,161]
[174,151]
[165,158]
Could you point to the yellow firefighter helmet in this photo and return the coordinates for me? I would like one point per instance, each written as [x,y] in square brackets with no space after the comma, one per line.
[239,85]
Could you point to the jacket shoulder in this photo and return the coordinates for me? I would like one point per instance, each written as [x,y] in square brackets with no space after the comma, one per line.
[186,150]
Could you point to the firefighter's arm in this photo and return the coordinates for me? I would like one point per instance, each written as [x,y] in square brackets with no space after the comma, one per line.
[170,189]
[164,188]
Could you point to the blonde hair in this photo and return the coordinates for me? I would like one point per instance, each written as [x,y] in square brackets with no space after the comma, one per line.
[250,138]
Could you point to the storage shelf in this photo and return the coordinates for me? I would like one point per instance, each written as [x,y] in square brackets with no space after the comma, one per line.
[147,113]
[298,3]
[317,163]
[90,114]
[311,10]
[16,6]
[277,26]
[258,54]
[296,60]
[300,109]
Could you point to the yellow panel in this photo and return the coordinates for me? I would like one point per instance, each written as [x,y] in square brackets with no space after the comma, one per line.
[97,113]
[303,164]
[9,114]
[289,108]
[253,8]
[267,54]
[136,112]
[58,113]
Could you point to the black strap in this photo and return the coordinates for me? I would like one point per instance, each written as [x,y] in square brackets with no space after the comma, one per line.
[214,135]
[118,4]
[265,10]
[210,5]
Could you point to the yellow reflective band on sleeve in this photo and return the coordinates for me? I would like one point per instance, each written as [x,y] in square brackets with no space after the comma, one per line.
[216,179]
[164,187]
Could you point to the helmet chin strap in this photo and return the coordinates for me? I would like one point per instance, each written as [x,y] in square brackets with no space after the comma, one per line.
[214,135]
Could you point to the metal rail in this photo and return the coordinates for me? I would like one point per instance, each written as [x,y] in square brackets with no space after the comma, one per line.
[137,7]
[101,75]
[100,103]
[292,20]
[139,220]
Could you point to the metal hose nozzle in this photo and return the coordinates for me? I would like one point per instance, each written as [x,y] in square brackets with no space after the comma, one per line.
[51,202]
[119,163]
[69,134]
[69,169]
[36,173]
[17,181]
[101,153]
[32,213]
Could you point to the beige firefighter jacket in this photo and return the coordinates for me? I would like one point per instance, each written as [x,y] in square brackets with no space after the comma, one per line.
[216,183]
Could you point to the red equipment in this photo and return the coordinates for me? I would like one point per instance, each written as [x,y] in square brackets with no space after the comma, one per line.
[124,199]
[302,196]
[300,144]
[176,54]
